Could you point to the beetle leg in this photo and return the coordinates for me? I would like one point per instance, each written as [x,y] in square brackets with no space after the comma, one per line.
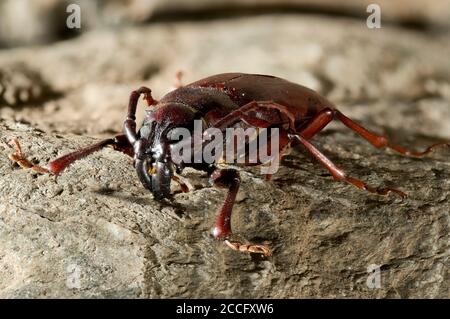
[18,157]
[256,249]
[129,125]
[241,115]
[327,115]
[317,123]
[339,174]
[119,143]
[225,178]
[381,141]
[178,79]
[183,185]
[222,230]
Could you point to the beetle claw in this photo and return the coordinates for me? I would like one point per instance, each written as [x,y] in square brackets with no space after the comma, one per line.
[249,248]
[18,158]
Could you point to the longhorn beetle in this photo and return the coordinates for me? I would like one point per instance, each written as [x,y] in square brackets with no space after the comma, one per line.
[223,101]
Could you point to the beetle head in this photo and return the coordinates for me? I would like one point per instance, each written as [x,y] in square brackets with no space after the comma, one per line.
[153,158]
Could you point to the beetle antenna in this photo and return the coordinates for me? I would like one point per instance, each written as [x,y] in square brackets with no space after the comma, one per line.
[147,95]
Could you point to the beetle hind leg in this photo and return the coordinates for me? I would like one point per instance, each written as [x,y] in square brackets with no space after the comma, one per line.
[325,116]
[381,141]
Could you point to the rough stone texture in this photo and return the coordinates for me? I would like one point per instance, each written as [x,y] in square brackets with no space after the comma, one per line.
[95,232]
[20,85]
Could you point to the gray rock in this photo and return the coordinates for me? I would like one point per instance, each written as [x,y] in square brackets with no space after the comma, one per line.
[20,85]
[94,231]
[25,22]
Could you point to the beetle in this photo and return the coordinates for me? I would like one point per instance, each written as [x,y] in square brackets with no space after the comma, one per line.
[223,101]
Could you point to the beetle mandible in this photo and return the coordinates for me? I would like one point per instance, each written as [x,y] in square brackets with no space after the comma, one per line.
[222,101]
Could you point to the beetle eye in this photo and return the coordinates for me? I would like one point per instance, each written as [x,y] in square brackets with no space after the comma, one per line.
[177,134]
[145,131]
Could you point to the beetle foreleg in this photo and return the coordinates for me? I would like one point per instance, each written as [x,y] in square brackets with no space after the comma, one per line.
[18,157]
[256,249]
[56,166]
[339,174]
[222,230]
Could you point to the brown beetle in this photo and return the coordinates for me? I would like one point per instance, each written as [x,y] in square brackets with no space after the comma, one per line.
[223,101]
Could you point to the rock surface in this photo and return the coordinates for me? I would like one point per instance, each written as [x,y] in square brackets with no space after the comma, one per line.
[95,232]
[25,22]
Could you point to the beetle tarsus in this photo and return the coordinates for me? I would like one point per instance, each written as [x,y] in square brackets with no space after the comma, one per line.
[379,191]
[249,248]
[19,158]
[428,150]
